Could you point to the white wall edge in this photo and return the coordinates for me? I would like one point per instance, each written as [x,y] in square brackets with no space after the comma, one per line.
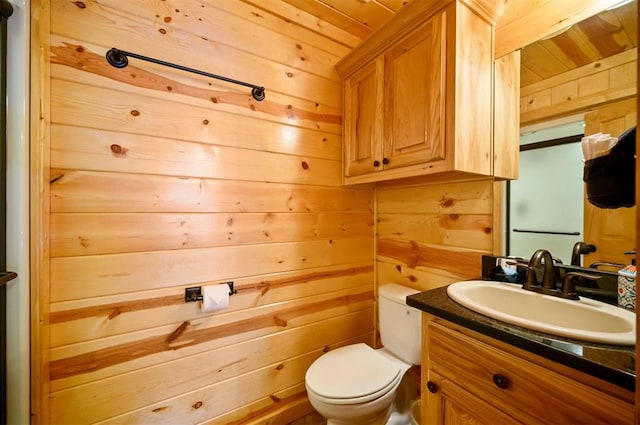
[18,304]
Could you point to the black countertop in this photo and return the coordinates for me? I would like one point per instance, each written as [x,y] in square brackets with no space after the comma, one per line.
[612,363]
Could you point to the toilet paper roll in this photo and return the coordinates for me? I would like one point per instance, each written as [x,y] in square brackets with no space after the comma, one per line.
[215,297]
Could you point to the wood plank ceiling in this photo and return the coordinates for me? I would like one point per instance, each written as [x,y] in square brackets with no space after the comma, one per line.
[606,34]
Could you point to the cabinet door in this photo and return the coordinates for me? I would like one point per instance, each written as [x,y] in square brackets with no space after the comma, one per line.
[506,125]
[612,231]
[447,403]
[363,120]
[414,96]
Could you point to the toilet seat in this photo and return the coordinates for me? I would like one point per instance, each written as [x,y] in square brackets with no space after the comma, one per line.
[353,374]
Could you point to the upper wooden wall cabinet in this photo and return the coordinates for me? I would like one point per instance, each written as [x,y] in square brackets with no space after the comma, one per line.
[418,95]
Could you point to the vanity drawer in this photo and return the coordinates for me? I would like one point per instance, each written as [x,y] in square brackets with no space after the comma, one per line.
[522,389]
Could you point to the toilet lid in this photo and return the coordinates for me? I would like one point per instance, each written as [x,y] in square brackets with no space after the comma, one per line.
[351,372]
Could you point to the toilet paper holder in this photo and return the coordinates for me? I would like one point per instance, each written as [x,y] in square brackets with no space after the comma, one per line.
[194,293]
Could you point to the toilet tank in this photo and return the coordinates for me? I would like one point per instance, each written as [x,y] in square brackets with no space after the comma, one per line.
[400,324]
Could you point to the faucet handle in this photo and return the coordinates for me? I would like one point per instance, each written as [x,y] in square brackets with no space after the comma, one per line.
[531,280]
[605,264]
[569,286]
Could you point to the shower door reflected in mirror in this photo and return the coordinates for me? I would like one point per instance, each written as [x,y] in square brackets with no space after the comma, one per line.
[545,205]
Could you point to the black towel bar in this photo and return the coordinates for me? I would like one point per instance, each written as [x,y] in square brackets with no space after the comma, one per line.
[547,232]
[118,59]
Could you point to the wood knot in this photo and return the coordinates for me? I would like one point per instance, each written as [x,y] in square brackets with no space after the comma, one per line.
[135,112]
[79,49]
[305,165]
[214,99]
[488,230]
[326,349]
[175,334]
[118,150]
[399,268]
[198,405]
[56,178]
[167,19]
[80,4]
[162,31]
[280,322]
[454,216]
[289,74]
[447,202]
[275,398]
[205,122]
[280,367]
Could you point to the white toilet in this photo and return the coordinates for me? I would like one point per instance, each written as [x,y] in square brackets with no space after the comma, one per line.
[356,384]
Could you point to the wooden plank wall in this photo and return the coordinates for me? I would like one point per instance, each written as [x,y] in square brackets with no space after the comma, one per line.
[582,89]
[159,180]
[433,235]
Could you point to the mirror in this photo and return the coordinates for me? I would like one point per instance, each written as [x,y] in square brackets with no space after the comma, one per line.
[582,79]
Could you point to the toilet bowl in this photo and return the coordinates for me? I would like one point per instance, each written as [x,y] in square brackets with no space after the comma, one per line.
[356,384]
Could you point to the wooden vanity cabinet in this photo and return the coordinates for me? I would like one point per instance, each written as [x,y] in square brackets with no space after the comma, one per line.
[471,378]
[456,405]
[418,95]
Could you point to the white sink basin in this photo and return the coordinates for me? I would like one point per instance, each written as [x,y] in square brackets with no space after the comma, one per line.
[586,319]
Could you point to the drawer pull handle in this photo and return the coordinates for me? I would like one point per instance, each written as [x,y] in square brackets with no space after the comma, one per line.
[385,161]
[432,387]
[376,163]
[501,381]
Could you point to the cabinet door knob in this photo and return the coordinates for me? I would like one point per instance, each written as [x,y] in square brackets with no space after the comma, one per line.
[501,381]
[376,163]
[385,161]
[432,387]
